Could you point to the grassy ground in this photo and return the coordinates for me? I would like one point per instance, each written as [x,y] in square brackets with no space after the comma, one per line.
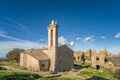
[94,74]
[85,72]
[91,74]
[25,76]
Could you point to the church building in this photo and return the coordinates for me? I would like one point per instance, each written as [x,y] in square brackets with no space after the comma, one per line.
[54,58]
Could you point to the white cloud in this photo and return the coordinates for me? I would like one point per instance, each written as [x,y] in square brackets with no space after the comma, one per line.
[24,44]
[117,35]
[63,41]
[78,38]
[8,45]
[103,37]
[71,43]
[16,43]
[89,38]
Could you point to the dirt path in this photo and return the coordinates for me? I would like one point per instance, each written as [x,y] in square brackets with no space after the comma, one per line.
[70,74]
[14,69]
[74,75]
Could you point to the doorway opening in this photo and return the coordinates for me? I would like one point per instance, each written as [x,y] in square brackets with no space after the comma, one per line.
[97,67]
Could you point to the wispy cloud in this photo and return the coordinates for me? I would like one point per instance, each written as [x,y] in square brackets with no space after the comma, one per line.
[103,37]
[117,35]
[3,34]
[17,23]
[22,26]
[9,37]
[89,38]
[16,43]
[8,45]
[42,40]
[78,38]
[63,41]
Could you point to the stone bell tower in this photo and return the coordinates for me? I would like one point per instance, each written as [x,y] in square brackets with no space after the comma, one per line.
[53,46]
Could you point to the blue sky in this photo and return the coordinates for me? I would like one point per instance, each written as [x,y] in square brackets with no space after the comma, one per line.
[83,24]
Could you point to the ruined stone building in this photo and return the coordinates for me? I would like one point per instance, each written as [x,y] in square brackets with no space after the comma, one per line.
[54,58]
[79,57]
[97,59]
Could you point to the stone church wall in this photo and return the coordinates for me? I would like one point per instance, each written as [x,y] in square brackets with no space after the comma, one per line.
[33,64]
[66,59]
[44,65]
[23,59]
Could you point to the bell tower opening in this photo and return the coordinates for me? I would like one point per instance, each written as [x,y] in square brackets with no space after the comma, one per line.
[51,37]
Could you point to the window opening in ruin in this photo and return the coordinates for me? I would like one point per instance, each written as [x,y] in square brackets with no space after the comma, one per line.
[78,57]
[82,59]
[97,58]
[74,58]
[43,65]
[97,67]
[105,60]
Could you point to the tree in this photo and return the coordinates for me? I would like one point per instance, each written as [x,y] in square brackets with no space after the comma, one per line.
[14,54]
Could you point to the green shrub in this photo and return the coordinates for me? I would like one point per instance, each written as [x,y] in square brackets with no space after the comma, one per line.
[86,65]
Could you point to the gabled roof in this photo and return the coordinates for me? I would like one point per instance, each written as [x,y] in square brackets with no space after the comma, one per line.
[59,47]
[63,47]
[40,55]
[37,54]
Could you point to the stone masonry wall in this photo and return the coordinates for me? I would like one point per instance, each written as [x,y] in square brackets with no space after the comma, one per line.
[66,59]
[23,59]
[33,64]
